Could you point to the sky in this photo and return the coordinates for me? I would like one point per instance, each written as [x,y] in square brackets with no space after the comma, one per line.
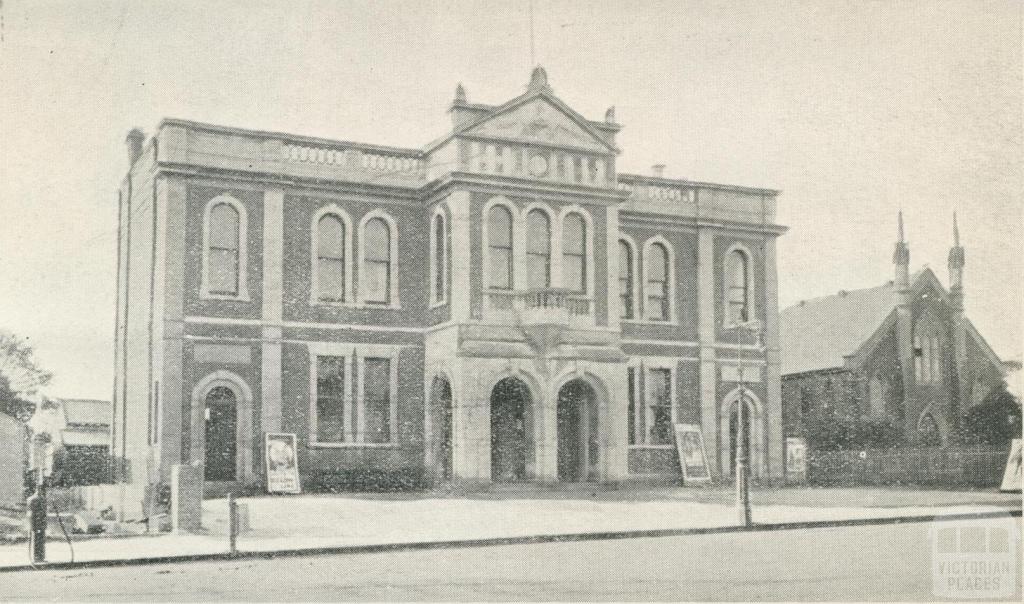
[853,109]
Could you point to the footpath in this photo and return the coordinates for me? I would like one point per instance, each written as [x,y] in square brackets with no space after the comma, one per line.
[336,522]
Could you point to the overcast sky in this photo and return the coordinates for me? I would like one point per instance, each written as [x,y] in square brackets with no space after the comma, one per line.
[854,110]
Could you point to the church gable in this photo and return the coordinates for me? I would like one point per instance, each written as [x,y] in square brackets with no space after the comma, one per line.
[539,120]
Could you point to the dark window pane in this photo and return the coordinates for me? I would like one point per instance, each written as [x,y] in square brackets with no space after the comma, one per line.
[331,237]
[439,259]
[625,280]
[377,400]
[659,399]
[631,419]
[499,227]
[376,282]
[330,399]
[224,226]
[378,240]
[331,276]
[538,249]
[500,272]
[223,271]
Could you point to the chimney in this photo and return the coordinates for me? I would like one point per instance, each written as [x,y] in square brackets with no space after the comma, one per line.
[134,142]
[658,170]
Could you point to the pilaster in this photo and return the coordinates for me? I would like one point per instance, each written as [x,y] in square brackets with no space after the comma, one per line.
[773,368]
[273,302]
[174,402]
[461,242]
[612,248]
[706,333]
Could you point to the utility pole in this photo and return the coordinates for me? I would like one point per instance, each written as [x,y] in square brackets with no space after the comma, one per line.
[742,474]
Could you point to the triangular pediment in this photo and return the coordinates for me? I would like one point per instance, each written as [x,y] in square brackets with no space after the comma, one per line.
[540,120]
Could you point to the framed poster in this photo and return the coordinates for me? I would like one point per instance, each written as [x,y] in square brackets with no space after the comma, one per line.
[282,463]
[1011,475]
[693,458]
[796,458]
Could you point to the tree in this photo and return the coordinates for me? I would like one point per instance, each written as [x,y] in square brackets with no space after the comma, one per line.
[20,377]
[995,421]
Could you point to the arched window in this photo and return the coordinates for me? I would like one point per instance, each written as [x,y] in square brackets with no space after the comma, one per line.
[223,250]
[439,260]
[738,288]
[574,253]
[657,286]
[928,430]
[376,279]
[499,244]
[330,258]
[538,250]
[626,280]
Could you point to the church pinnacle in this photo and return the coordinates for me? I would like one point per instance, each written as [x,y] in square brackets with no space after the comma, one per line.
[957,259]
[901,255]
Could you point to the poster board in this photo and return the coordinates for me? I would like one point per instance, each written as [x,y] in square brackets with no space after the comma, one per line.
[693,457]
[282,462]
[1012,473]
[796,458]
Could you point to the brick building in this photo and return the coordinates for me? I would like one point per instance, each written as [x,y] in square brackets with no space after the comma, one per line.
[501,304]
[902,353]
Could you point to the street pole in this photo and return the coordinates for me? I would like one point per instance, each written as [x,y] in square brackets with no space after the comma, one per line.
[742,479]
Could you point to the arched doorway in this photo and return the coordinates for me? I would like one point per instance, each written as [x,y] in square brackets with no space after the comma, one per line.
[441,404]
[734,429]
[577,431]
[928,430]
[221,419]
[756,439]
[510,405]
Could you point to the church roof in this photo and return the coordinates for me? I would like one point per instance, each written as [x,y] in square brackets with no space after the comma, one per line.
[818,333]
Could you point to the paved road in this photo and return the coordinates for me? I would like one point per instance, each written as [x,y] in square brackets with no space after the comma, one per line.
[852,563]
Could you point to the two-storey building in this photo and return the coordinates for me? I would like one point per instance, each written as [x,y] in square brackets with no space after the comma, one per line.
[500,305]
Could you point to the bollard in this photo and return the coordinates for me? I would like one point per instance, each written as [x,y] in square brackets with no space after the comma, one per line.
[37,524]
[232,523]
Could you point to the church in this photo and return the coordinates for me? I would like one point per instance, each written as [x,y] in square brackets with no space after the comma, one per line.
[901,355]
[501,305]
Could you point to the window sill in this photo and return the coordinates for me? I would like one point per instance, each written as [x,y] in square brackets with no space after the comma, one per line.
[330,304]
[320,445]
[242,297]
[439,304]
[656,447]
[648,321]
[363,305]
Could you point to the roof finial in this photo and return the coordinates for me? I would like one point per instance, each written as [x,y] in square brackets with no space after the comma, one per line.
[956,231]
[460,93]
[538,79]
[609,116]
[901,255]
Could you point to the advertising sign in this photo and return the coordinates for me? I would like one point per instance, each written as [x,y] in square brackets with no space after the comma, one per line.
[693,459]
[796,458]
[1011,475]
[282,463]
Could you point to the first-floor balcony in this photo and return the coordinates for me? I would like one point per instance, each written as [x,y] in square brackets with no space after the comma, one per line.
[541,306]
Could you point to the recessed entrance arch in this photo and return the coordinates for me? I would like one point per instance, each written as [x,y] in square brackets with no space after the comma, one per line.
[577,431]
[221,428]
[221,414]
[754,431]
[441,406]
[511,403]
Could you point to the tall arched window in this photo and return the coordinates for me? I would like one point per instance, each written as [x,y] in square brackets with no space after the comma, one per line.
[330,259]
[574,253]
[538,250]
[738,288]
[657,286]
[625,280]
[223,250]
[375,281]
[439,259]
[499,244]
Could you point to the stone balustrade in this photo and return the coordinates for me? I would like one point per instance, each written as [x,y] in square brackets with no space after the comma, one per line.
[541,306]
[351,157]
